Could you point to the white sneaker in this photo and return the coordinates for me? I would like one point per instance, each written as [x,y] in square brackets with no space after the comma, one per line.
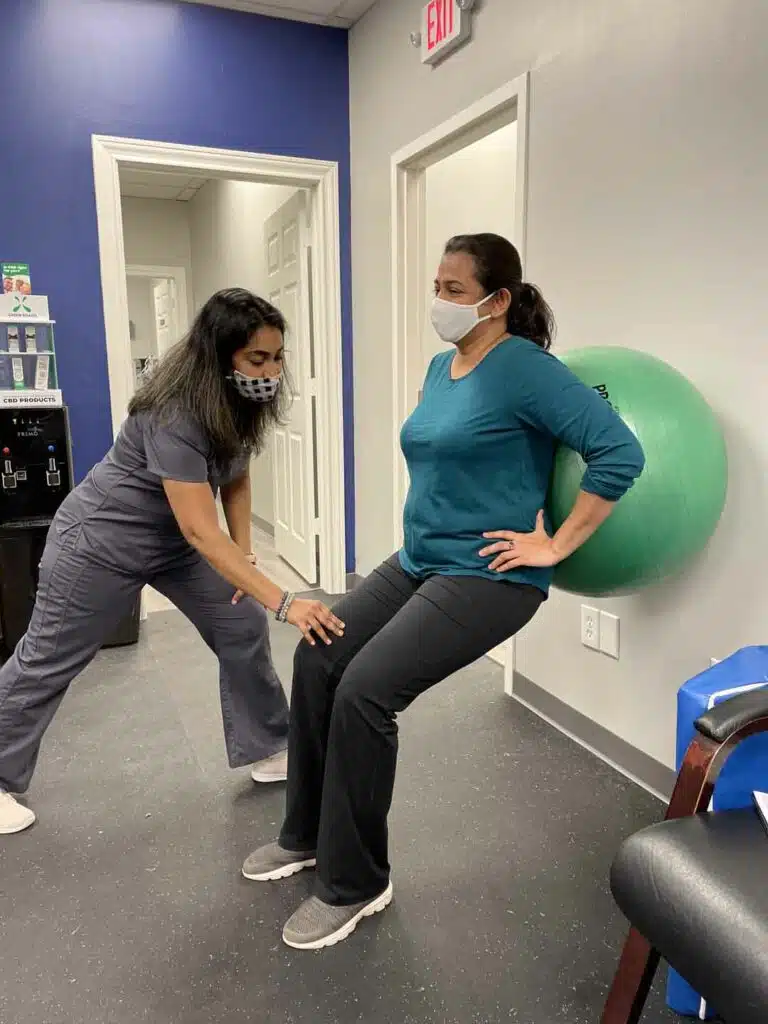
[13,816]
[271,769]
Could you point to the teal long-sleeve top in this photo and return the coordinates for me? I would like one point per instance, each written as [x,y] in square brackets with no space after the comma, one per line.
[480,451]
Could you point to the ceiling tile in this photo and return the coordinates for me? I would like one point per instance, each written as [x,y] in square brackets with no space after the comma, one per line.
[142,184]
[339,13]
[149,191]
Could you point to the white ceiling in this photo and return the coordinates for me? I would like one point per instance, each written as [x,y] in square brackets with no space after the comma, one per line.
[337,13]
[158,184]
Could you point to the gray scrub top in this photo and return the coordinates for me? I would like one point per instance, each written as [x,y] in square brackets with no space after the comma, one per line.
[127,485]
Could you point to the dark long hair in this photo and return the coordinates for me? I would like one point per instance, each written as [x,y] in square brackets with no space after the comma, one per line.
[192,377]
[497,266]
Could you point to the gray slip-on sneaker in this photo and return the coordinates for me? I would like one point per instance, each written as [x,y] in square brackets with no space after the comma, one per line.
[270,863]
[316,925]
[271,769]
[14,817]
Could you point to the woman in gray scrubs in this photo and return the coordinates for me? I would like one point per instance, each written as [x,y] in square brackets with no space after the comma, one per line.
[147,514]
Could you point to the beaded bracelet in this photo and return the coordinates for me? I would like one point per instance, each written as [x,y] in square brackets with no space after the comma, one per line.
[285,603]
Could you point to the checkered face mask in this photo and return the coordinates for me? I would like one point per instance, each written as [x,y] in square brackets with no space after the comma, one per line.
[258,389]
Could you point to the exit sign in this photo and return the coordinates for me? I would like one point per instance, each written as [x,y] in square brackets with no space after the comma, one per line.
[444,27]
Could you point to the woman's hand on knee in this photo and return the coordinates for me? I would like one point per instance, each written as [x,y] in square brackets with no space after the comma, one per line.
[313,618]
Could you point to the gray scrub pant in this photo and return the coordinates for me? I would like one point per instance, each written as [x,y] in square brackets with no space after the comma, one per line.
[91,573]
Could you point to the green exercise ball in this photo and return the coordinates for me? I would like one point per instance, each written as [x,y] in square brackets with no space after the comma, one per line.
[672,510]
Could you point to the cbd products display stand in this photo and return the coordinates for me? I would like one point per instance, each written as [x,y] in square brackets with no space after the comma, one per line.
[28,376]
[35,461]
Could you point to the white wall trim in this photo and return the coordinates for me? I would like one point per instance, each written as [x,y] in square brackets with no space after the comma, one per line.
[322,178]
[409,277]
[510,649]
[179,275]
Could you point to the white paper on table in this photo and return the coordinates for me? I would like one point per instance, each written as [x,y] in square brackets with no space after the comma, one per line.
[761,803]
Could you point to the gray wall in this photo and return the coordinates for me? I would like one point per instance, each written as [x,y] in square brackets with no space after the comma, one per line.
[647,227]
[156,232]
[141,312]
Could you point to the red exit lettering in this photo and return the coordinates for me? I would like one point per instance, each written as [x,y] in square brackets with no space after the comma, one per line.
[439,22]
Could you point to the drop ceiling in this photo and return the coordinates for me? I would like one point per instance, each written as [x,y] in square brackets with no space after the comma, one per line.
[158,184]
[336,13]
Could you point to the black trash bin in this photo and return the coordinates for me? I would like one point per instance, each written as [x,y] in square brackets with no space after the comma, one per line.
[35,477]
[128,630]
[21,549]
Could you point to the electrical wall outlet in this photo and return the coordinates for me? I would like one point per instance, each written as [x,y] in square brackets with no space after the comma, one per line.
[590,627]
[609,634]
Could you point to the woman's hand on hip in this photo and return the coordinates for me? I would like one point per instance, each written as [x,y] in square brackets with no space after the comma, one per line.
[313,617]
[515,550]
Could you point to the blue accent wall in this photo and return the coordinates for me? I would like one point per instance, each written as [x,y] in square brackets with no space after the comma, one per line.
[149,69]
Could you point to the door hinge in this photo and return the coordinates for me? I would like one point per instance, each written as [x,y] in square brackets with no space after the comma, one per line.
[316,525]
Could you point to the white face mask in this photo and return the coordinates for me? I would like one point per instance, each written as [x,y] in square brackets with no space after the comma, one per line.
[453,321]
[258,389]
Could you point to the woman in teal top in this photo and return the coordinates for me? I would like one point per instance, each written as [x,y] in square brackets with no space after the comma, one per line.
[475,566]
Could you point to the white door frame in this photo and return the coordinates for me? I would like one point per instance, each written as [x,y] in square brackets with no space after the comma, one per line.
[179,276]
[321,177]
[409,274]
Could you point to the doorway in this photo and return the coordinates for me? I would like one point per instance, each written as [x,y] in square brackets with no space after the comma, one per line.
[301,240]
[158,313]
[227,233]
[467,175]
[465,192]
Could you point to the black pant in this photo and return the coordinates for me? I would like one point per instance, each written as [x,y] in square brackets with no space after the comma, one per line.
[402,636]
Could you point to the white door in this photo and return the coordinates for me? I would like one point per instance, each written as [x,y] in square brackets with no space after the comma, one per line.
[288,288]
[470,191]
[166,314]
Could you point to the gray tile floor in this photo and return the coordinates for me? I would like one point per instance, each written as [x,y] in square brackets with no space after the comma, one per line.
[125,904]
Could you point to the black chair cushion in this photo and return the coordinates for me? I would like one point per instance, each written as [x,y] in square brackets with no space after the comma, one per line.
[697,889]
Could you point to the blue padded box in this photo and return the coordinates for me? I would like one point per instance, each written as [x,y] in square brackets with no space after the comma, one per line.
[745,770]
